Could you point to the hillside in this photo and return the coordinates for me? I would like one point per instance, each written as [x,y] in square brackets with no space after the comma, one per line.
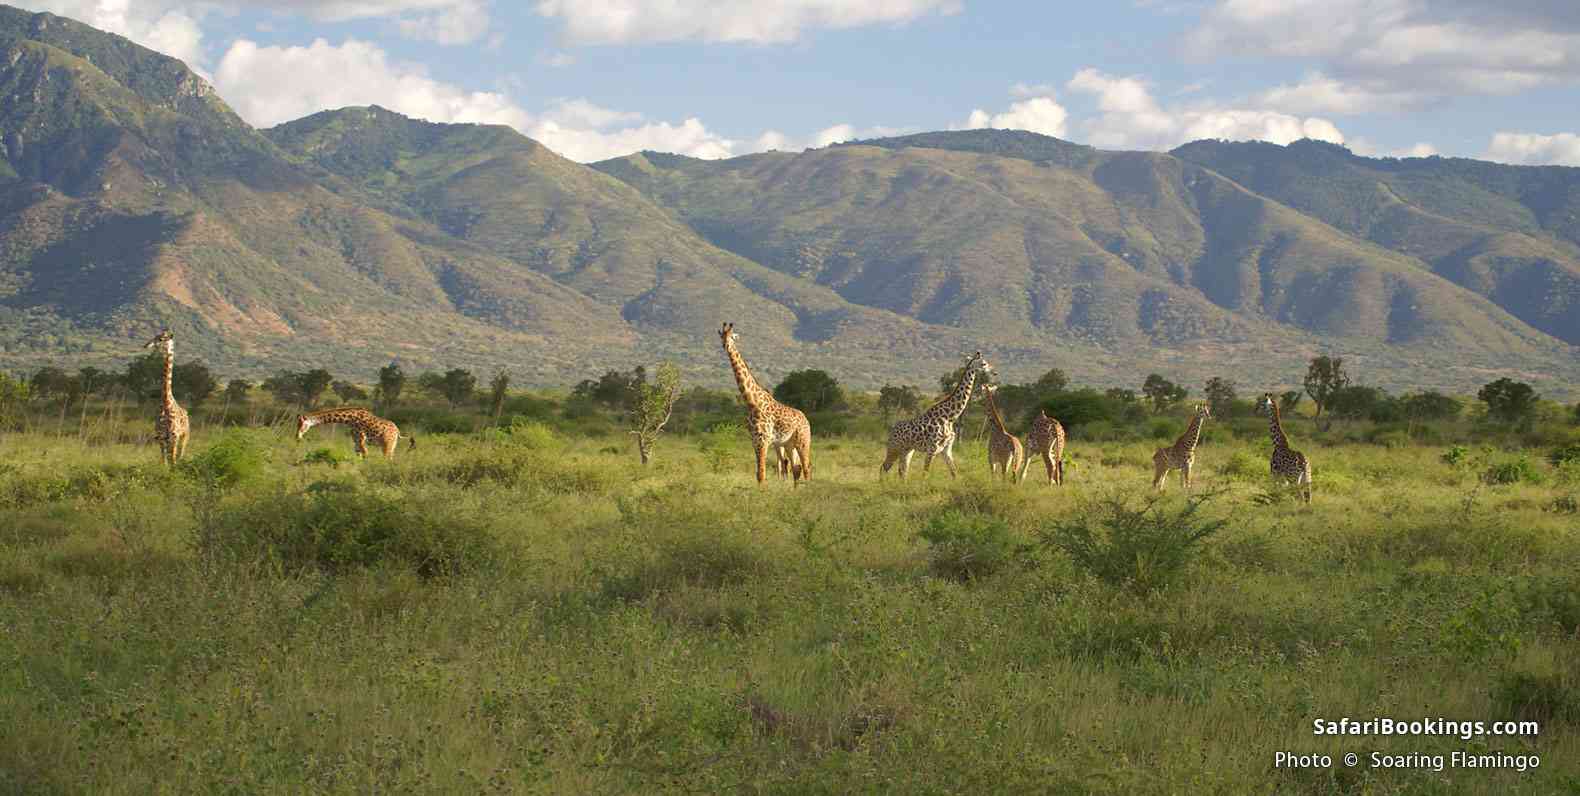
[132,197]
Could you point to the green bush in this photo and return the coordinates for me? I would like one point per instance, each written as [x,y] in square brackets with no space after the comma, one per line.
[1164,429]
[967,545]
[533,435]
[1242,466]
[1143,549]
[237,456]
[1564,455]
[1538,696]
[1515,471]
[1455,455]
[330,456]
[335,526]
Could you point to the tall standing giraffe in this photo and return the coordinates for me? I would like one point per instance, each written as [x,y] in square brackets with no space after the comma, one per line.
[1047,441]
[934,431]
[364,425]
[1286,462]
[172,428]
[1004,448]
[1182,454]
[772,424]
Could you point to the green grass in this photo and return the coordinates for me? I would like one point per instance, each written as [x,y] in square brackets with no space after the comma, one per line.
[534,612]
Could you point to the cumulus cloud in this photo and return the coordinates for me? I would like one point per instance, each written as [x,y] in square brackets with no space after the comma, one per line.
[1036,114]
[270,85]
[587,144]
[1362,146]
[1130,118]
[169,28]
[1533,149]
[1383,54]
[763,22]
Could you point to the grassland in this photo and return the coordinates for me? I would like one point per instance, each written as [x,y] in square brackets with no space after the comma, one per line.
[525,609]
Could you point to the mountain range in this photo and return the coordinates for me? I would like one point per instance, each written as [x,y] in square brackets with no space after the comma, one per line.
[133,198]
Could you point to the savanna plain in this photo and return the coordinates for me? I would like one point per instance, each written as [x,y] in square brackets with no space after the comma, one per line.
[517,605]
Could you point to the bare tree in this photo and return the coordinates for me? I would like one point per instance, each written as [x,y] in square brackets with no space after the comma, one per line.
[652,408]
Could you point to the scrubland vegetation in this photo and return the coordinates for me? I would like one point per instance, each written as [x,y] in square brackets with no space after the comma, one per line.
[519,605]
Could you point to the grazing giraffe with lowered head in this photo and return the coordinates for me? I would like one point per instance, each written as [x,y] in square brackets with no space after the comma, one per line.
[364,425]
[1004,448]
[1046,440]
[772,424]
[1182,454]
[1286,462]
[172,428]
[934,431]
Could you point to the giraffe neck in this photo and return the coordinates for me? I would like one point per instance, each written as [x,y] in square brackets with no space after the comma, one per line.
[751,393]
[169,397]
[1192,434]
[1276,428]
[336,415]
[998,420]
[954,405]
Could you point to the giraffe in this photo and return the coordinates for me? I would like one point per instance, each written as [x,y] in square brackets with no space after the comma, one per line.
[172,428]
[363,423]
[1286,462]
[1004,448]
[1182,454]
[1047,440]
[934,431]
[772,424]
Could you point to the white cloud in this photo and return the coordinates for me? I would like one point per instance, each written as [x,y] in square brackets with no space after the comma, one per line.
[1036,114]
[1131,118]
[1362,146]
[585,144]
[762,22]
[457,23]
[1382,54]
[1533,149]
[557,60]
[270,85]
[166,27]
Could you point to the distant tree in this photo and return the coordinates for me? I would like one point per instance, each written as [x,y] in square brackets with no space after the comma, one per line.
[902,398]
[50,382]
[810,391]
[1052,381]
[192,383]
[947,382]
[1289,400]
[1508,401]
[1220,395]
[1161,392]
[236,391]
[459,386]
[144,376]
[1355,402]
[14,392]
[1076,408]
[285,386]
[1121,394]
[654,404]
[431,382]
[391,381]
[313,385]
[1574,416]
[498,389]
[348,392]
[92,381]
[1324,378]
[614,389]
[1430,405]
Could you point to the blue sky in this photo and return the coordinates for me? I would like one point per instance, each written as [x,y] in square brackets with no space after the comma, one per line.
[600,78]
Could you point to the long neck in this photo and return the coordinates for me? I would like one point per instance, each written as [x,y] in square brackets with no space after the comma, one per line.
[1276,428]
[953,405]
[325,417]
[998,420]
[751,393]
[1192,433]
[169,377]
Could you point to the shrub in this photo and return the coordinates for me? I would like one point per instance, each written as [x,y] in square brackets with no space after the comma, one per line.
[1142,548]
[716,444]
[967,545]
[1164,429]
[1513,472]
[1454,456]
[1565,454]
[334,526]
[330,456]
[1243,466]
[237,456]
[1538,696]
[533,435]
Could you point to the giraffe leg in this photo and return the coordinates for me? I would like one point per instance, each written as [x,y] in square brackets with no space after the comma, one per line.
[804,451]
[927,464]
[1058,468]
[360,440]
[181,451]
[1025,464]
[905,463]
[1160,469]
[1047,461]
[762,461]
[949,459]
[889,458]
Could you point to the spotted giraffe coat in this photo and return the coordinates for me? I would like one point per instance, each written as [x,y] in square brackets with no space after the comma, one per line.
[1046,440]
[1285,462]
[172,427]
[364,426]
[1182,454]
[1005,453]
[934,431]
[784,429]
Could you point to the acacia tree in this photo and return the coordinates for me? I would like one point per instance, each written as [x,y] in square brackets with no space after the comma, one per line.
[193,383]
[348,392]
[651,409]
[1161,392]
[498,388]
[1289,400]
[809,391]
[1508,400]
[391,381]
[1324,379]
[904,398]
[458,386]
[1052,381]
[1220,394]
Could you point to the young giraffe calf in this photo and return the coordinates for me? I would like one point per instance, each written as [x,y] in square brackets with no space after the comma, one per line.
[1182,454]
[364,424]
[1046,440]
[1005,453]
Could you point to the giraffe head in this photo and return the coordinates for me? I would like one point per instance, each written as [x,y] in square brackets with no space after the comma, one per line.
[1204,410]
[165,342]
[1267,405]
[727,333]
[303,423]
